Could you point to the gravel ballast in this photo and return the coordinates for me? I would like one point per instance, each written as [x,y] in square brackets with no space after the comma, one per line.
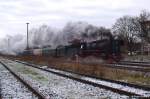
[59,87]
[11,88]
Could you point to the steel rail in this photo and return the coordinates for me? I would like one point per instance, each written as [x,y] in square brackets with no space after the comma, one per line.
[33,90]
[83,81]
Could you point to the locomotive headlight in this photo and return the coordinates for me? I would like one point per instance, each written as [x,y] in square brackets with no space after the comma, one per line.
[81,47]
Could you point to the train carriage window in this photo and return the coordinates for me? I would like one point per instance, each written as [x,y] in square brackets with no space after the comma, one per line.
[99,45]
[93,45]
[88,46]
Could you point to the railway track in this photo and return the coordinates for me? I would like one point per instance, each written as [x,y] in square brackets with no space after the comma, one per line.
[136,63]
[142,62]
[96,82]
[129,66]
[33,90]
[132,85]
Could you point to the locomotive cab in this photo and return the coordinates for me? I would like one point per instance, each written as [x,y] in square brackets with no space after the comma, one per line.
[97,48]
[116,48]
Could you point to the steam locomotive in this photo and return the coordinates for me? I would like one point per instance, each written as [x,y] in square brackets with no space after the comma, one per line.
[108,48]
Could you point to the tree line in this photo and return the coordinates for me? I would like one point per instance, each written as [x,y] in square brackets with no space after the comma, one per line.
[127,27]
[131,29]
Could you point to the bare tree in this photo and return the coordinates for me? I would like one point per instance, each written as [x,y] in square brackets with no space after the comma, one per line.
[143,17]
[128,28]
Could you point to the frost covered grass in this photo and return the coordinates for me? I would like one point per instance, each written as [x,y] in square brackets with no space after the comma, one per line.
[30,72]
[106,83]
[62,88]
[11,88]
[93,69]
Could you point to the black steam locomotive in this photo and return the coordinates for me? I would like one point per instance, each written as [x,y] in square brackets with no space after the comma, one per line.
[106,49]
[109,48]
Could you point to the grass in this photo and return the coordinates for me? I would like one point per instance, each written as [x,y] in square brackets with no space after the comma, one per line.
[39,78]
[138,79]
[34,75]
[28,71]
[31,73]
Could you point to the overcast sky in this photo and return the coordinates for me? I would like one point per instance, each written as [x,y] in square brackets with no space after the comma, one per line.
[15,13]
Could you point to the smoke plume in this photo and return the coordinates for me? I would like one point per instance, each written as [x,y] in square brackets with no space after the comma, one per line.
[46,36]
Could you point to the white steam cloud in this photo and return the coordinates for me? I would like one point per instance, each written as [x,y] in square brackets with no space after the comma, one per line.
[52,37]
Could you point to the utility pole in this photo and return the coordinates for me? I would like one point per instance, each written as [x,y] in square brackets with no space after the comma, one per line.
[8,45]
[27,37]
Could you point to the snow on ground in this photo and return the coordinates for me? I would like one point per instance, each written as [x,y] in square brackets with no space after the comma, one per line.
[11,88]
[129,66]
[60,87]
[114,85]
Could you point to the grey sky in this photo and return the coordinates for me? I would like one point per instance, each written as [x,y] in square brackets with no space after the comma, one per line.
[15,13]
